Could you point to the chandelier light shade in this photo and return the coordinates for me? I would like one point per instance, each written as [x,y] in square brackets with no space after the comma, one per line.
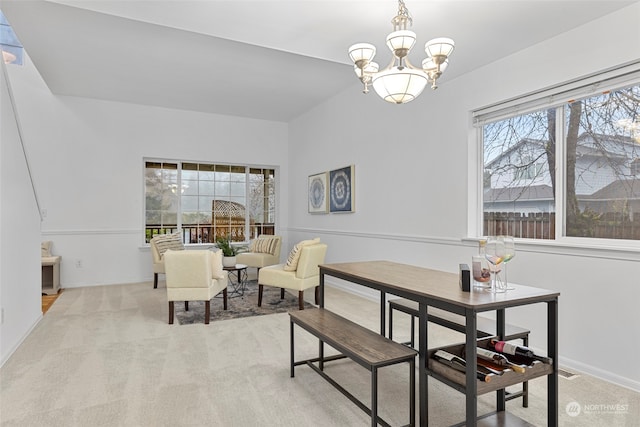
[401,82]
[399,86]
[362,53]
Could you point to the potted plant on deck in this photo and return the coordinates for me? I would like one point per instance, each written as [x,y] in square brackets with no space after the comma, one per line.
[229,251]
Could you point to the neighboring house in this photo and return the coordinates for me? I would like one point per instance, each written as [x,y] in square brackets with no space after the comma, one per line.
[607,176]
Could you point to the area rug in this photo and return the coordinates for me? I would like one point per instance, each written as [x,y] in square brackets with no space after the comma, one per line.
[238,306]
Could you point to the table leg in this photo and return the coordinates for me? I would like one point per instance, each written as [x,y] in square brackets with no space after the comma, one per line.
[552,349]
[321,291]
[472,369]
[500,330]
[383,312]
[422,367]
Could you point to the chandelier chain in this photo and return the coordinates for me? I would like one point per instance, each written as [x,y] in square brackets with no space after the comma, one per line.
[403,13]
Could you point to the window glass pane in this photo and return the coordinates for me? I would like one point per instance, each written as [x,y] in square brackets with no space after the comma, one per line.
[222,189]
[210,200]
[598,151]
[261,201]
[9,43]
[206,188]
[602,136]
[518,190]
[238,189]
[161,202]
[190,203]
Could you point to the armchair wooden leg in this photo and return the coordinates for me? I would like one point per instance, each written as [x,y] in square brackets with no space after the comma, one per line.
[186,306]
[301,300]
[171,312]
[281,293]
[207,312]
[317,294]
[224,298]
[260,287]
[155,280]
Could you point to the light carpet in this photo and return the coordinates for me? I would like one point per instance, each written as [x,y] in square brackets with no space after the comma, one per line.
[105,356]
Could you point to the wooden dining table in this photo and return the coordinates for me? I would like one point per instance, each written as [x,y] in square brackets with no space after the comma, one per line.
[442,290]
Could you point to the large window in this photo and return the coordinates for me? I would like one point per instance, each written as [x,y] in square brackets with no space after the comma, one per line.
[205,201]
[564,169]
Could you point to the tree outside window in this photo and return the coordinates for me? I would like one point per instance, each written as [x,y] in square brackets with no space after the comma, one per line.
[600,146]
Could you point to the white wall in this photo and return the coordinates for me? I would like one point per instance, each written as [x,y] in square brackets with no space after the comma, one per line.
[20,284]
[87,159]
[413,180]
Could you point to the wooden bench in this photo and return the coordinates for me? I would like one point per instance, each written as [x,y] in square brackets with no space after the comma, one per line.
[486,328]
[365,347]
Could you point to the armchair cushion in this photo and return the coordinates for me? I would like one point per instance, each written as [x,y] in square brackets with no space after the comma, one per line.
[294,255]
[262,259]
[265,245]
[217,272]
[167,242]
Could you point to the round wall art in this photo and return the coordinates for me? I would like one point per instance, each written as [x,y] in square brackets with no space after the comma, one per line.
[341,189]
[318,193]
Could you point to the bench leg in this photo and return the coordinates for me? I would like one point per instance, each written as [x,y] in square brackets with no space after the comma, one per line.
[413,331]
[374,397]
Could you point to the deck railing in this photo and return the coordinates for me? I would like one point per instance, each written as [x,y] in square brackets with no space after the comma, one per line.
[199,233]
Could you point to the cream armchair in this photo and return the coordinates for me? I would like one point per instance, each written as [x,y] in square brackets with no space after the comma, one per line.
[195,275]
[159,245]
[263,251]
[306,256]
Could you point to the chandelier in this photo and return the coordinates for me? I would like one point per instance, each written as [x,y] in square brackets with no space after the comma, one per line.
[401,82]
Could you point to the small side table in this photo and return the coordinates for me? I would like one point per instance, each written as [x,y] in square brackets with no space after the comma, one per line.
[51,275]
[239,273]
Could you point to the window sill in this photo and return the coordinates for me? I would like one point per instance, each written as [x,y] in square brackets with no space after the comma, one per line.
[575,247]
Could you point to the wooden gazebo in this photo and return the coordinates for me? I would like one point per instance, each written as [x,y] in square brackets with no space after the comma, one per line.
[227,219]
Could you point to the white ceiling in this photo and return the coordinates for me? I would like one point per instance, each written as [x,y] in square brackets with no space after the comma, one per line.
[263,59]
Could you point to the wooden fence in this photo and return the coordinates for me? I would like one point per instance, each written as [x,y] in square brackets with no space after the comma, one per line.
[611,225]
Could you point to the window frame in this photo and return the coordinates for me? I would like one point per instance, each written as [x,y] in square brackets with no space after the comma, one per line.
[556,96]
[248,168]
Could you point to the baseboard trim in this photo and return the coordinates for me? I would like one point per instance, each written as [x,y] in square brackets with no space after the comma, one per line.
[582,368]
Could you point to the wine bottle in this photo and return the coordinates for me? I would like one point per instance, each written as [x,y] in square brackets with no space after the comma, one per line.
[498,359]
[458,363]
[518,350]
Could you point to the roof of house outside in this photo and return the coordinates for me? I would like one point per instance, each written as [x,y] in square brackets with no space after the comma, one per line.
[619,189]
